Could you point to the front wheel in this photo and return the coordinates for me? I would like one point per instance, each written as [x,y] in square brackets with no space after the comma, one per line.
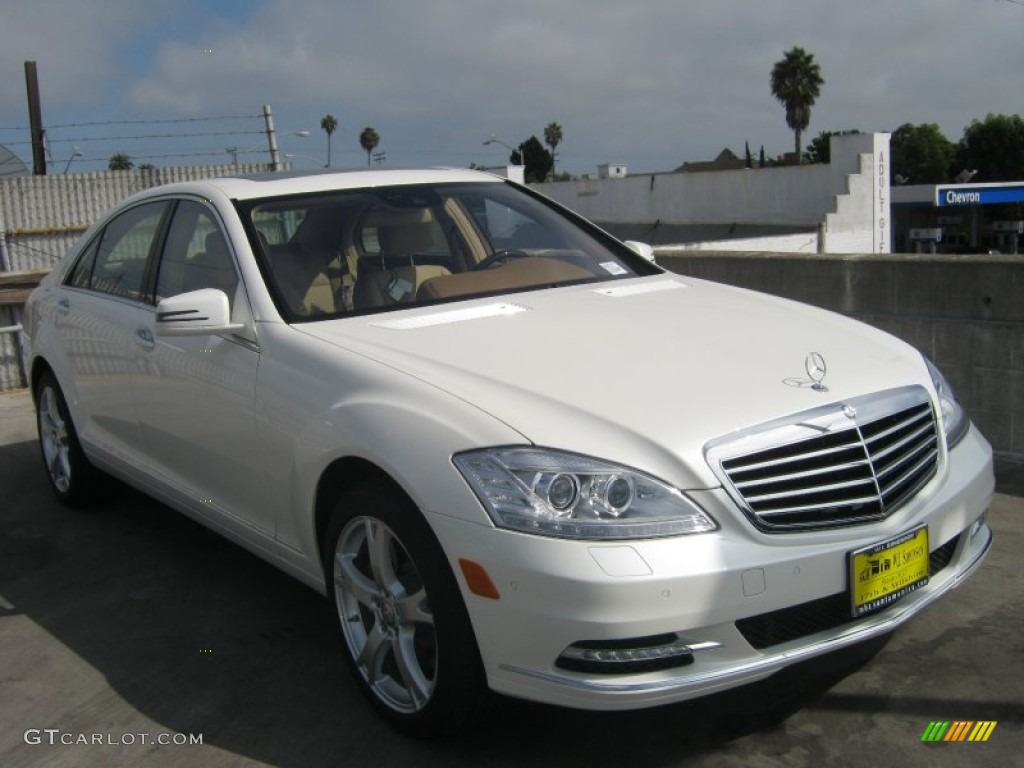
[404,626]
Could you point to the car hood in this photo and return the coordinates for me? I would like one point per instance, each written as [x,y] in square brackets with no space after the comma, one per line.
[643,372]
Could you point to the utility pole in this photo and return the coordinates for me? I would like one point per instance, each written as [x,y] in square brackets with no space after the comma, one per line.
[35,118]
[275,158]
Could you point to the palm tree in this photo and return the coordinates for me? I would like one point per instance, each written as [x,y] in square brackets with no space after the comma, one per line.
[553,137]
[368,140]
[120,162]
[329,123]
[796,82]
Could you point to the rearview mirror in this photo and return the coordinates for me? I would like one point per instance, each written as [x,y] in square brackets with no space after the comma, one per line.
[196,313]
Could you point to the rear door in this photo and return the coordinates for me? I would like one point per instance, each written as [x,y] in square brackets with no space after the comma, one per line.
[100,309]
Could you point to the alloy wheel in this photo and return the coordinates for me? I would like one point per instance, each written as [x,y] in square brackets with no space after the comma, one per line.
[55,439]
[385,615]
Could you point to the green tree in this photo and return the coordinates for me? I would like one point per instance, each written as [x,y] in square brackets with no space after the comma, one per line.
[368,140]
[761,160]
[796,82]
[921,154]
[329,124]
[994,147]
[748,159]
[820,148]
[538,161]
[553,137]
[119,161]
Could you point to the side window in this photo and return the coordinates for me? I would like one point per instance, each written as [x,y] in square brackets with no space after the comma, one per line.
[81,273]
[120,262]
[196,255]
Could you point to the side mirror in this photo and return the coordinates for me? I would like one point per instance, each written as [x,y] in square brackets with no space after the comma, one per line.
[196,313]
[642,248]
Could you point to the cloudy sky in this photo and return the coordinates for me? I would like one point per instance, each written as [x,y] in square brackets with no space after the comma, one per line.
[651,83]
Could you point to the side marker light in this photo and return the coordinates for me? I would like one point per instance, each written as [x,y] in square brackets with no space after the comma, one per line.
[478,580]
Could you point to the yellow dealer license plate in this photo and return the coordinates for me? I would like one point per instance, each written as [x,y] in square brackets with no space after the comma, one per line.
[883,573]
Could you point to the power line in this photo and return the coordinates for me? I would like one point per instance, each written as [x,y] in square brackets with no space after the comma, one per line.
[181,154]
[135,122]
[154,122]
[168,154]
[146,136]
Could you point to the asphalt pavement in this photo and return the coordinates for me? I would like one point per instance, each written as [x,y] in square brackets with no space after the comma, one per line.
[128,625]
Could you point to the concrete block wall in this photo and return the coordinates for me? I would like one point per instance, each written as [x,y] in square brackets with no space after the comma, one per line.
[966,313]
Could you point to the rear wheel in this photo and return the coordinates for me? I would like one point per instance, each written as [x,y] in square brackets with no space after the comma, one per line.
[403,623]
[73,479]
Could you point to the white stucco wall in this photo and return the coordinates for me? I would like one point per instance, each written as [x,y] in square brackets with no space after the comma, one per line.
[849,195]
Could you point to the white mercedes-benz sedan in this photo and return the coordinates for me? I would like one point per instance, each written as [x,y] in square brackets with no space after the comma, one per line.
[513,452]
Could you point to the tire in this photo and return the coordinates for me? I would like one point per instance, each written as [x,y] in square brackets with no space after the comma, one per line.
[73,479]
[403,624]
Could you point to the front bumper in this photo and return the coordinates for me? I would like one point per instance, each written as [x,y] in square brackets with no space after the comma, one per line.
[557,593]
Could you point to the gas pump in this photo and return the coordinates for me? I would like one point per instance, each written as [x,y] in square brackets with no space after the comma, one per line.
[926,237]
[1008,235]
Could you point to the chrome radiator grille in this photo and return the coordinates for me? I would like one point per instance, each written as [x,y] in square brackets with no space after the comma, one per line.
[843,464]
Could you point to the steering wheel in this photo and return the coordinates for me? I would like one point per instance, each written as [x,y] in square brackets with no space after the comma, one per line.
[505,254]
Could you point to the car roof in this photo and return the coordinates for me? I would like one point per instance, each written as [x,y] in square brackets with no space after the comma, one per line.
[246,187]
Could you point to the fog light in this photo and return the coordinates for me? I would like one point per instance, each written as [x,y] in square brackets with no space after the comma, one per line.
[631,656]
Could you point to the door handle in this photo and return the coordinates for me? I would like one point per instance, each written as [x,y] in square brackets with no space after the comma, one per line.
[63,306]
[144,338]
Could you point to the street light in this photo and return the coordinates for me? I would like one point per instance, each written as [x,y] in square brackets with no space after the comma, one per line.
[75,152]
[495,140]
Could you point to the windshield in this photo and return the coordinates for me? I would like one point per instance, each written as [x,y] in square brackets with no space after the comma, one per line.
[370,250]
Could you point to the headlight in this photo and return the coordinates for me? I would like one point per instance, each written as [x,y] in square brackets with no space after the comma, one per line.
[551,493]
[954,418]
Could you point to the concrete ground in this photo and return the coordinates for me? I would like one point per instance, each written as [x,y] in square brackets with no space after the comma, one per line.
[130,622]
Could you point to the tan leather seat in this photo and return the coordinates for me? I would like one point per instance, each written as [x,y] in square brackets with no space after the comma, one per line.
[301,276]
[383,280]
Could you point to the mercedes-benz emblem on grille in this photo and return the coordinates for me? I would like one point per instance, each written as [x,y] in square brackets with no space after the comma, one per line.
[849,412]
[816,370]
